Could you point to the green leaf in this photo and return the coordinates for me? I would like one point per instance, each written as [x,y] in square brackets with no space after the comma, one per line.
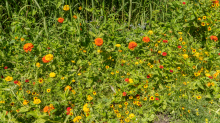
[40,121]
[24,109]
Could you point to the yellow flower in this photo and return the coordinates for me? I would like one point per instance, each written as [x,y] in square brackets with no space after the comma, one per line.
[209,29]
[72,61]
[52,74]
[117,71]
[66,8]
[130,80]
[94,93]
[99,51]
[40,80]
[128,74]
[136,63]
[197,74]
[151,66]
[150,32]
[118,115]
[89,97]
[48,90]
[159,52]
[199,19]
[73,80]
[49,57]
[8,78]
[28,91]
[37,101]
[127,119]
[16,37]
[80,8]
[183,43]
[62,78]
[112,73]
[145,86]
[38,64]
[118,45]
[178,68]
[107,67]
[25,102]
[204,17]
[22,39]
[203,24]
[180,33]
[185,56]
[196,54]
[131,115]
[151,98]
[198,97]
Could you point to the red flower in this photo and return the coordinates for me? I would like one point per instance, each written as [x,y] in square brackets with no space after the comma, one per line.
[164,54]
[214,38]
[179,47]
[16,81]
[165,41]
[6,67]
[122,64]
[124,93]
[148,76]
[171,71]
[218,53]
[161,66]
[184,3]
[157,98]
[127,80]
[26,80]
[33,83]
[48,48]
[210,77]
[68,110]
[2,76]
[60,20]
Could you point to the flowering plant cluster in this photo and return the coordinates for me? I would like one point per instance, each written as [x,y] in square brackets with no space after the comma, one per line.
[93,72]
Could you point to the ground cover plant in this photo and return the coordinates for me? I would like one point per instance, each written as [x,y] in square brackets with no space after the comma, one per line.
[109,61]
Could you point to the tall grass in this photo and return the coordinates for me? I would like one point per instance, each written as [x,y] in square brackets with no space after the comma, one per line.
[130,11]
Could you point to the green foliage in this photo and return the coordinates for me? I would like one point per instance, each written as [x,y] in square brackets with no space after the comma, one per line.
[66,76]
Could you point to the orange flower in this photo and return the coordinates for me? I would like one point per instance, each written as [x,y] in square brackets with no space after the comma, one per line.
[28,47]
[132,45]
[146,39]
[214,38]
[68,88]
[98,41]
[46,109]
[74,16]
[60,20]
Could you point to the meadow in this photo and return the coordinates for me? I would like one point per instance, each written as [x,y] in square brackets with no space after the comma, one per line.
[109,61]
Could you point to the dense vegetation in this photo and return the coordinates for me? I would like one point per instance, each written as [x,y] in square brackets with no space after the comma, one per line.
[109,61]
